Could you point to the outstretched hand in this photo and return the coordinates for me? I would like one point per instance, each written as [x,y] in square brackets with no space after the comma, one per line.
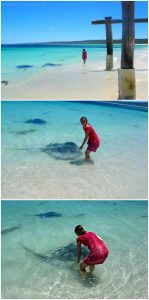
[81,147]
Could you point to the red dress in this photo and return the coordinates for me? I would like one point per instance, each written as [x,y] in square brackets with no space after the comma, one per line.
[98,250]
[84,55]
[93,140]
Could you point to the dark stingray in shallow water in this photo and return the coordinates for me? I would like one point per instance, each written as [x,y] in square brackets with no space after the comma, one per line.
[63,254]
[5,231]
[59,151]
[79,215]
[23,132]
[4,82]
[50,214]
[36,121]
[23,67]
[42,203]
[51,65]
[63,151]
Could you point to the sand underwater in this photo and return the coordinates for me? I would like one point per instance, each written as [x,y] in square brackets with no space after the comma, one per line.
[39,251]
[41,157]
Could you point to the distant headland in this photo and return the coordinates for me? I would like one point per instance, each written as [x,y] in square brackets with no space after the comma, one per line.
[85,42]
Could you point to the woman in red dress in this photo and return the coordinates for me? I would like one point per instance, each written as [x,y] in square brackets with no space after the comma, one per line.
[98,250]
[91,138]
[84,55]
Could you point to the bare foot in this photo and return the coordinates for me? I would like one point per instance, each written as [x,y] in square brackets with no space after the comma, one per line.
[83,275]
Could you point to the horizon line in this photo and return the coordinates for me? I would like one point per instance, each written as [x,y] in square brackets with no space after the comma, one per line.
[70,42]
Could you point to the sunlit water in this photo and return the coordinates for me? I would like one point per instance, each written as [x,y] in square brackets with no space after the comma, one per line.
[27,274]
[118,169]
[59,56]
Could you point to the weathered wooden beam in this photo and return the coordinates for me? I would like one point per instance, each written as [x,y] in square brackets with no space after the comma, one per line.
[126,75]
[109,41]
[100,22]
[109,35]
[128,35]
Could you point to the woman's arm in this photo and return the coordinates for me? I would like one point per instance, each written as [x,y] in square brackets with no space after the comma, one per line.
[85,139]
[78,251]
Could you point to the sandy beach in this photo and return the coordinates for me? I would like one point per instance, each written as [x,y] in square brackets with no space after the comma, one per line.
[78,82]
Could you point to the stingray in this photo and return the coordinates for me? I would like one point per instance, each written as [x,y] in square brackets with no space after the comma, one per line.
[64,257]
[23,132]
[8,230]
[80,215]
[50,214]
[59,151]
[43,202]
[51,65]
[63,254]
[23,67]
[62,151]
[36,121]
[67,253]
[4,82]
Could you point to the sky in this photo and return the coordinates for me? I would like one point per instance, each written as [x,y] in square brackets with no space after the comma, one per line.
[47,21]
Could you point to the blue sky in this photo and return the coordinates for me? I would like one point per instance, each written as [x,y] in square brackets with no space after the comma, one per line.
[39,21]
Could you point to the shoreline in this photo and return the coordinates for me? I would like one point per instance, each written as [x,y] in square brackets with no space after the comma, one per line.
[78,82]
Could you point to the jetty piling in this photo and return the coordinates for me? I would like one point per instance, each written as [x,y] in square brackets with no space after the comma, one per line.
[126,74]
[109,57]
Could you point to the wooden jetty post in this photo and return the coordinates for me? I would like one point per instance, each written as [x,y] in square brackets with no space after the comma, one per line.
[109,57]
[109,41]
[126,74]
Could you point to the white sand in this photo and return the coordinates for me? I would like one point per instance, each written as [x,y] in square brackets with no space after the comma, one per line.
[78,82]
[98,181]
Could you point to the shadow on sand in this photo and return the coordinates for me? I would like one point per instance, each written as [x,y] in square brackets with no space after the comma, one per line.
[81,162]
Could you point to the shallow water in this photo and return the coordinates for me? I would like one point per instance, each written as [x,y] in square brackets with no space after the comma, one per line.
[118,169]
[27,274]
[57,56]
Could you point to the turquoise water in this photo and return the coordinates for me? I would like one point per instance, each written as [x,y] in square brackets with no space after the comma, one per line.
[66,55]
[118,169]
[28,272]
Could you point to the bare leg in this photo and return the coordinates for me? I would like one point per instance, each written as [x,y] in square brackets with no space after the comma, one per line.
[87,154]
[83,267]
[83,270]
[92,268]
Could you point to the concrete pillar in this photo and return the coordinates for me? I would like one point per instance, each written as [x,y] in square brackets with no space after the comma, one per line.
[126,84]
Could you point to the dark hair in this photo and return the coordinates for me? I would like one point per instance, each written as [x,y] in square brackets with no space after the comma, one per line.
[84,50]
[84,118]
[79,229]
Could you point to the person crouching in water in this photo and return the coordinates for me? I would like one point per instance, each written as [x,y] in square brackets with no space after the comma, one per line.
[98,250]
[91,138]
[84,55]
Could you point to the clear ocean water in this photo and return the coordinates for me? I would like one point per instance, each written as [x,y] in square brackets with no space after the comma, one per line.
[118,169]
[65,55]
[39,254]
